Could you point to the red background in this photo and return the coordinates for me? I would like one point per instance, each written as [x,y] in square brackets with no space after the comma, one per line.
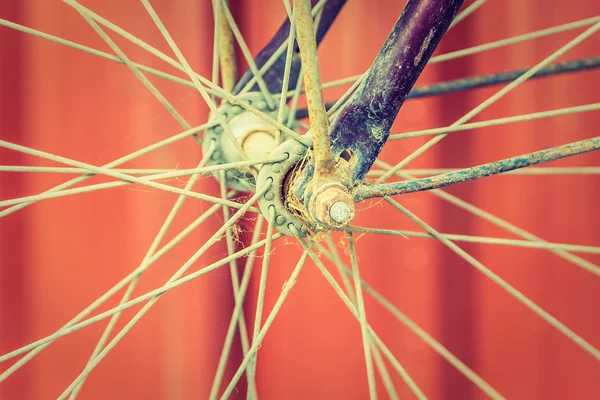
[58,255]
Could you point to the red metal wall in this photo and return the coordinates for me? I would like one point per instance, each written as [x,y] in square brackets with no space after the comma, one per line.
[59,255]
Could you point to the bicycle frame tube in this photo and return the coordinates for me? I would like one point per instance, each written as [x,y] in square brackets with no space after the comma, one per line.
[363,126]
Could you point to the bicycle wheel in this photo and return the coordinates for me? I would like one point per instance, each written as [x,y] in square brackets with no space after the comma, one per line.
[450,330]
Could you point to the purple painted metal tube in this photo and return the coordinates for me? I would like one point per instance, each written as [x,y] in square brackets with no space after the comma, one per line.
[364,125]
[274,75]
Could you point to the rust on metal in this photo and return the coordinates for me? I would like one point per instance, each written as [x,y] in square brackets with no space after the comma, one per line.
[227,59]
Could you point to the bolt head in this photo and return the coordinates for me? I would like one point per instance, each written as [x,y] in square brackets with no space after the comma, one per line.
[340,212]
[215,155]
[280,220]
[218,129]
[260,104]
[276,168]
[269,195]
[236,109]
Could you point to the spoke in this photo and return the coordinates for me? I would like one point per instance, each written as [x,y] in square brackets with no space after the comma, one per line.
[151,174]
[174,63]
[482,240]
[155,92]
[434,344]
[149,295]
[498,121]
[101,54]
[316,11]
[546,316]
[514,40]
[233,270]
[576,260]
[287,71]
[373,336]
[66,329]
[109,185]
[466,12]
[497,96]
[481,171]
[486,47]
[151,251]
[214,238]
[116,163]
[247,55]
[260,301]
[379,363]
[263,331]
[362,316]
[237,311]
[188,70]
[106,171]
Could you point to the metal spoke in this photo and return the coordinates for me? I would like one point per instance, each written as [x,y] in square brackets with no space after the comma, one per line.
[316,11]
[151,251]
[101,54]
[151,174]
[105,171]
[287,71]
[340,292]
[260,301]
[483,240]
[265,328]
[486,47]
[576,260]
[116,163]
[233,270]
[66,329]
[498,121]
[237,311]
[497,96]
[155,92]
[247,55]
[466,12]
[427,338]
[213,239]
[174,63]
[362,316]
[188,70]
[546,316]
[333,255]
[149,295]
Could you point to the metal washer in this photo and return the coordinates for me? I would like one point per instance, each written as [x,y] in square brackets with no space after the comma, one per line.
[295,151]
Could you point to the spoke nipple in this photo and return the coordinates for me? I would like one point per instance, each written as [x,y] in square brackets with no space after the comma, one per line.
[276,168]
[340,212]
[218,129]
[269,195]
[261,104]
[299,149]
[280,220]
[215,155]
